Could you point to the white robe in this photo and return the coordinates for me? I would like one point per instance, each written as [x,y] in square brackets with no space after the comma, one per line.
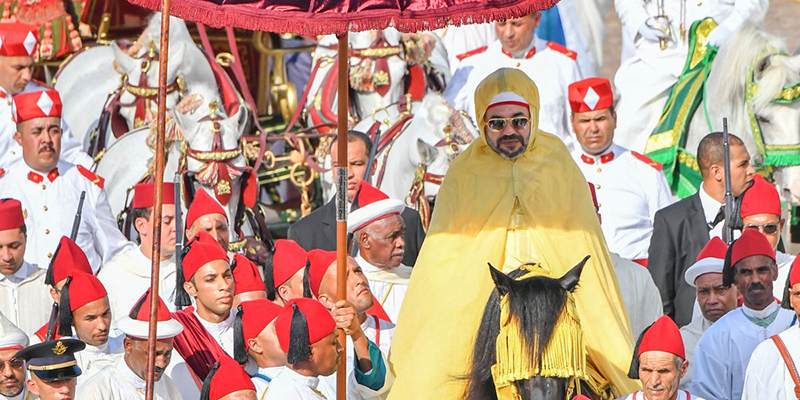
[722,353]
[690,334]
[291,385]
[119,382]
[682,395]
[262,378]
[222,332]
[355,390]
[127,276]
[639,294]
[24,298]
[767,376]
[784,262]
[94,359]
[388,286]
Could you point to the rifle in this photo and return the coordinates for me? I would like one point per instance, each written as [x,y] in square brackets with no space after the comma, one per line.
[353,246]
[727,231]
[76,224]
[178,220]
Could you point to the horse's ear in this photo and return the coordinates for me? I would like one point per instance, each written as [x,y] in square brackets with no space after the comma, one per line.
[570,280]
[761,67]
[125,62]
[501,281]
[427,153]
[176,53]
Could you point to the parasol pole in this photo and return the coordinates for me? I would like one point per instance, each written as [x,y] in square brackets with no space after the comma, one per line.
[341,201]
[157,202]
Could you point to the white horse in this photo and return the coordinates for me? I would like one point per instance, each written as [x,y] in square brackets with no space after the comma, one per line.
[773,69]
[133,73]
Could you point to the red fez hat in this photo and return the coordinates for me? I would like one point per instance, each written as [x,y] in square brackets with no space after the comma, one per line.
[246,277]
[203,249]
[18,39]
[11,214]
[251,319]
[68,257]
[710,259]
[663,335]
[203,204]
[81,289]
[144,194]
[136,323]
[794,275]
[30,105]
[373,205]
[590,95]
[226,377]
[320,260]
[301,323]
[287,258]
[751,243]
[761,198]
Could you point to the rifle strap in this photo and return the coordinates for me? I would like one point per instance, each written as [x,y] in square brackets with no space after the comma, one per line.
[787,359]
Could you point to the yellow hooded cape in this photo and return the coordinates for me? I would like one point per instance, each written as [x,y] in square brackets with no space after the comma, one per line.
[450,283]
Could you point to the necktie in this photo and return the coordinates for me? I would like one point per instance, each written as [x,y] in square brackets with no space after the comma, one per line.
[717,219]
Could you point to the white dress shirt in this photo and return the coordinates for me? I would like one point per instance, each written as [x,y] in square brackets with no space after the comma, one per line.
[784,262]
[222,332]
[49,203]
[24,298]
[630,189]
[119,382]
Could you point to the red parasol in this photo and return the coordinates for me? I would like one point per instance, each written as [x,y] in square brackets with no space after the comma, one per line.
[311,18]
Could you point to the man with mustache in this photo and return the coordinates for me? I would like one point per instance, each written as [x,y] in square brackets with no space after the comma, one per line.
[722,353]
[630,187]
[12,368]
[20,43]
[772,371]
[84,314]
[378,231]
[53,368]
[551,66]
[713,298]
[24,298]
[50,188]
[125,379]
[659,363]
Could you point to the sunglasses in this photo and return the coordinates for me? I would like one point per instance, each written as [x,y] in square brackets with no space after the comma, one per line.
[498,124]
[769,229]
[14,363]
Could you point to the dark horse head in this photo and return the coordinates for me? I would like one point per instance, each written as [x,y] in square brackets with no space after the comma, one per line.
[535,303]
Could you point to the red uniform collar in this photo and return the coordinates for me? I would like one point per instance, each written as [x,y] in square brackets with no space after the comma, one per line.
[528,55]
[603,159]
[36,178]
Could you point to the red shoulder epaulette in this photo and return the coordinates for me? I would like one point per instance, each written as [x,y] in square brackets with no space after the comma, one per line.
[647,160]
[40,83]
[96,179]
[471,53]
[2,172]
[42,333]
[563,50]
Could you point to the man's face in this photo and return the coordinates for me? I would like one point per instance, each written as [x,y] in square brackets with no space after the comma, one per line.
[292,288]
[54,390]
[741,171]
[382,242]
[358,292]
[40,139]
[766,223]
[15,73]
[509,142]
[715,299]
[215,224]
[268,344]
[212,286]
[12,250]
[92,322]
[145,228]
[241,395]
[325,355]
[136,356]
[594,129]
[12,378]
[516,34]
[357,157]
[794,298]
[754,276]
[660,375]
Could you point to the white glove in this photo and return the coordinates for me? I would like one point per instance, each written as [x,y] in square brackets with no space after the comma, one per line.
[718,36]
[648,32]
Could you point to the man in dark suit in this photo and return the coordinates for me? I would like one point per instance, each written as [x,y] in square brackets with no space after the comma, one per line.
[682,229]
[318,229]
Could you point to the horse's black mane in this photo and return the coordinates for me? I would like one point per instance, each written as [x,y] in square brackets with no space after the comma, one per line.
[536,302]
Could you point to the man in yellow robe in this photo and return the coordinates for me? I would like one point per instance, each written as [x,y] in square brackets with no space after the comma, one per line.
[513,196]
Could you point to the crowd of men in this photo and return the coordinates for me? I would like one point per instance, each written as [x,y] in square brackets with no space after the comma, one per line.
[707,315]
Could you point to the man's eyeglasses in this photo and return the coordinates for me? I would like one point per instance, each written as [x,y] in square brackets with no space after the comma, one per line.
[498,124]
[15,363]
[768,229]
